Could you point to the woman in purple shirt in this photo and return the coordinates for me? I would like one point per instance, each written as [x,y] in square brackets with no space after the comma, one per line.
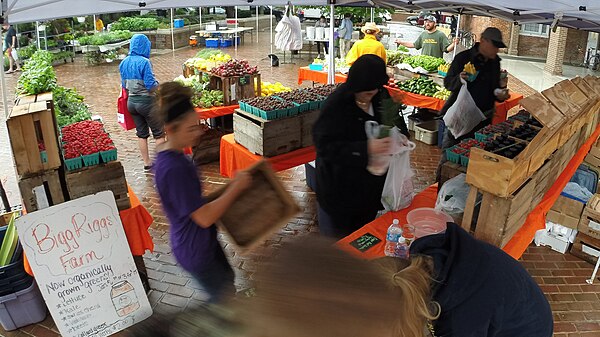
[193,233]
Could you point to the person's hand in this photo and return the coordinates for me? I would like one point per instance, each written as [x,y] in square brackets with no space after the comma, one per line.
[503,95]
[503,79]
[464,75]
[242,181]
[398,42]
[379,146]
[456,41]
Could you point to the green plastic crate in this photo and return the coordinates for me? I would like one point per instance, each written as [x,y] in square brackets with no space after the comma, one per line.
[482,137]
[73,163]
[108,156]
[91,159]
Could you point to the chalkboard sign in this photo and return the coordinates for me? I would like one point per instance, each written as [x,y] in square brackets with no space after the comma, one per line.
[365,242]
[83,266]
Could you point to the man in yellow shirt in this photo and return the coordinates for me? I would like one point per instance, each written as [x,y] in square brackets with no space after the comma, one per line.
[368,45]
[99,25]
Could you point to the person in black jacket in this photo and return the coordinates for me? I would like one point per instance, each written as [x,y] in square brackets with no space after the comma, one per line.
[488,87]
[348,195]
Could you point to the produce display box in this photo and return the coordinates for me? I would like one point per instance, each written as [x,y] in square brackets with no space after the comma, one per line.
[267,137]
[503,176]
[308,120]
[237,87]
[258,212]
[207,150]
[499,218]
[586,248]
[29,125]
[589,223]
[42,190]
[211,43]
[92,180]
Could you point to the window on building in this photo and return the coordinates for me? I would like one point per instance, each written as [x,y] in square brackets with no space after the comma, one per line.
[535,29]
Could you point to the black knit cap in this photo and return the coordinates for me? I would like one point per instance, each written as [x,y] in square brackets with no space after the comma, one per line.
[367,73]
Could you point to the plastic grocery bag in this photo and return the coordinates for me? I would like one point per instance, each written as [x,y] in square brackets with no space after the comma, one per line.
[452,198]
[464,115]
[398,190]
[378,164]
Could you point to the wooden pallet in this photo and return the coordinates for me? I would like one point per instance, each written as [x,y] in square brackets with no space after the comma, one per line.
[27,125]
[500,218]
[105,177]
[237,87]
[267,137]
[42,190]
[585,247]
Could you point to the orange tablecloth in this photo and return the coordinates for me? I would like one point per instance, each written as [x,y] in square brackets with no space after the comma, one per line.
[136,221]
[417,100]
[217,111]
[515,247]
[235,157]
[305,74]
[503,107]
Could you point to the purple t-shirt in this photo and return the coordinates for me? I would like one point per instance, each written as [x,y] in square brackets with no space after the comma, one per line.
[180,191]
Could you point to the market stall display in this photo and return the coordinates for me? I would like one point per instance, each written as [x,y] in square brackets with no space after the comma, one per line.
[237,79]
[203,97]
[204,61]
[268,88]
[421,63]
[86,144]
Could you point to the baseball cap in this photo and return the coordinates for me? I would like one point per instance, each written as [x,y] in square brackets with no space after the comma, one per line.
[430,18]
[495,35]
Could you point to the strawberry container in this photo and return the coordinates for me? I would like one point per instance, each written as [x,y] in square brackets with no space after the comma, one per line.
[91,159]
[73,163]
[464,160]
[108,156]
[452,156]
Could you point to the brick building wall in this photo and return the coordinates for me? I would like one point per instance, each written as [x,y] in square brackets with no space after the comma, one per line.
[533,46]
[477,24]
[576,46]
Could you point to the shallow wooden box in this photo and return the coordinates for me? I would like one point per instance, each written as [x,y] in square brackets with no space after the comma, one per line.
[236,88]
[267,137]
[94,179]
[42,190]
[259,211]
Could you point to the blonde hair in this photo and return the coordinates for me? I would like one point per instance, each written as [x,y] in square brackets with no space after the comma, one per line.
[313,289]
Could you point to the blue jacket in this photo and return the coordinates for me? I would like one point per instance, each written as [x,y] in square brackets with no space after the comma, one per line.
[483,291]
[136,71]
[347,23]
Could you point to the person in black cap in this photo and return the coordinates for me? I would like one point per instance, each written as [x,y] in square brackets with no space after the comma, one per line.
[432,41]
[349,196]
[489,87]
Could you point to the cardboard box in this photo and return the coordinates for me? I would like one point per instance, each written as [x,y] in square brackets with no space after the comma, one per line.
[557,242]
[563,219]
[568,206]
[593,158]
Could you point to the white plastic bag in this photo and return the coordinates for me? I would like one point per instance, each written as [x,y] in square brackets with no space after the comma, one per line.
[398,190]
[452,198]
[464,115]
[378,164]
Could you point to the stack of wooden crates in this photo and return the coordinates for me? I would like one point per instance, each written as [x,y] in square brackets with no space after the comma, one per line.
[511,188]
[43,181]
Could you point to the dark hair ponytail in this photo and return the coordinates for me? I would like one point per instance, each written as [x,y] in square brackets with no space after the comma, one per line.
[173,102]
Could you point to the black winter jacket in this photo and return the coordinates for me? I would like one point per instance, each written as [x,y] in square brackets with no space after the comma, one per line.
[483,291]
[343,182]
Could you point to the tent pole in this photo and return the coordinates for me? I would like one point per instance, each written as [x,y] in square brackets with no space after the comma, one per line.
[256,24]
[235,36]
[3,81]
[172,33]
[200,16]
[37,34]
[95,23]
[271,31]
[331,73]
[457,30]
[372,14]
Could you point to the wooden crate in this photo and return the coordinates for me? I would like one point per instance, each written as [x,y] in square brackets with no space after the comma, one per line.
[106,177]
[208,148]
[259,211]
[308,119]
[499,217]
[42,190]
[588,228]
[237,87]
[450,170]
[267,137]
[586,248]
[29,124]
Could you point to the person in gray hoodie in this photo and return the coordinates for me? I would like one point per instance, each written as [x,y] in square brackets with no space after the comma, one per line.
[138,79]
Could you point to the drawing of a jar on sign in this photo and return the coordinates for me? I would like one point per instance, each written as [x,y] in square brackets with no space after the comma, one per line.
[124,298]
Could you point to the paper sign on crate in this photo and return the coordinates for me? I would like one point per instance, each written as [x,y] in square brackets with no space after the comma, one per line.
[82,263]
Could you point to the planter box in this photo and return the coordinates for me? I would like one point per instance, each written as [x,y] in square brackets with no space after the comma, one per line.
[99,178]
[236,88]
[42,191]
[31,123]
[267,137]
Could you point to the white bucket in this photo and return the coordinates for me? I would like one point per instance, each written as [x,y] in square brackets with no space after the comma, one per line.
[319,33]
[310,33]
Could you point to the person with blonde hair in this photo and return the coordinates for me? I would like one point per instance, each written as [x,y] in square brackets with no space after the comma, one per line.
[368,45]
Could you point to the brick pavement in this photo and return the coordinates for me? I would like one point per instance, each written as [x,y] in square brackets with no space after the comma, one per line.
[576,305]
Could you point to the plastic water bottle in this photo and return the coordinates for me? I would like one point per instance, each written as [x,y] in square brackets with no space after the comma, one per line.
[394,233]
[402,249]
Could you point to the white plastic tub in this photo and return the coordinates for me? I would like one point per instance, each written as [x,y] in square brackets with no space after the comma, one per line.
[427,132]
